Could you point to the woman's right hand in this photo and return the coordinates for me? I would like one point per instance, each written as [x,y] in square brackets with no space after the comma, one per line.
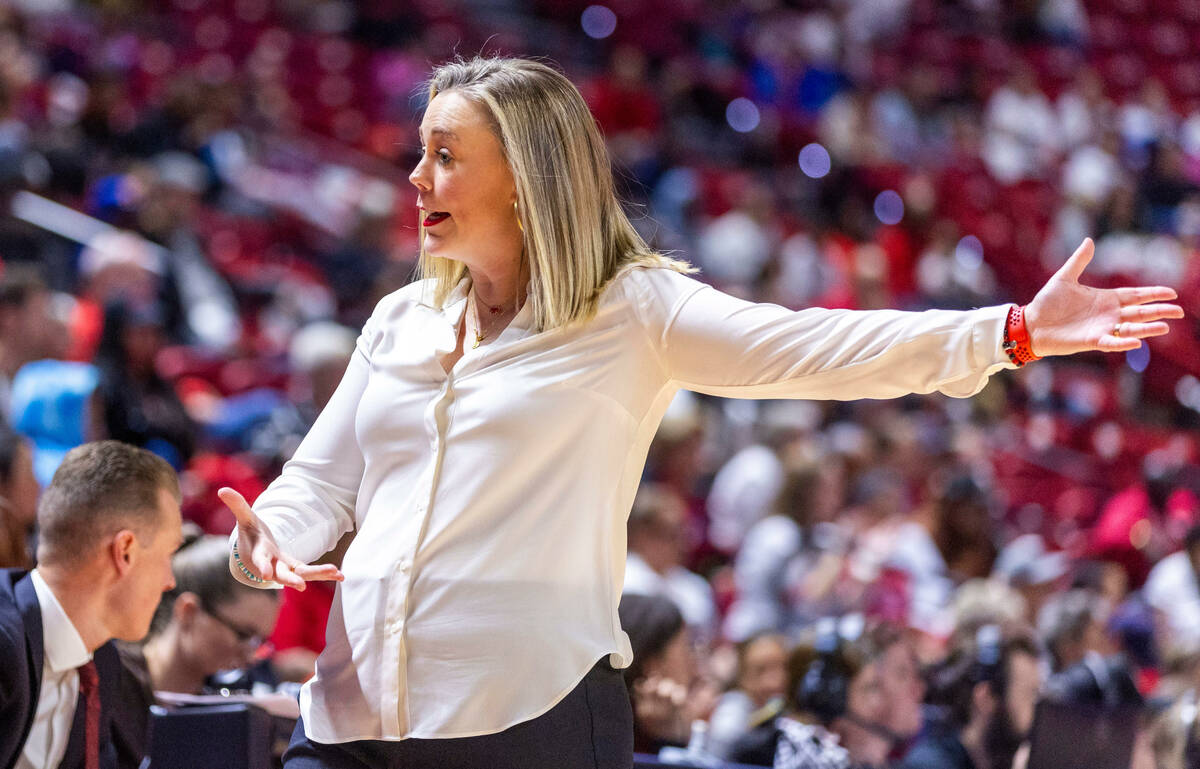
[659,709]
[262,556]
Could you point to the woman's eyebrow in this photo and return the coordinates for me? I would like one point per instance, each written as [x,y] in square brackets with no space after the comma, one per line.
[445,133]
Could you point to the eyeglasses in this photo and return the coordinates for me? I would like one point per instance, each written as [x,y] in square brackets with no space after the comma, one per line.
[245,636]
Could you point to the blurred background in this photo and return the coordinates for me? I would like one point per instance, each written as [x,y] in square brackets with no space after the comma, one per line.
[202,200]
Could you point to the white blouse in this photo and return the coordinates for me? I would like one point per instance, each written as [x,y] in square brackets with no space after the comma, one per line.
[490,502]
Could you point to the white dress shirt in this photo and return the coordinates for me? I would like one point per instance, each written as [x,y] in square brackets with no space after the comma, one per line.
[64,652]
[490,503]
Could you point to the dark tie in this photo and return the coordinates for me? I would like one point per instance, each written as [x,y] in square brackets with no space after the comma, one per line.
[89,690]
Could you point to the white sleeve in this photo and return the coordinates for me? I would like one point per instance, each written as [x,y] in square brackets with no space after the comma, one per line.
[311,504]
[714,343]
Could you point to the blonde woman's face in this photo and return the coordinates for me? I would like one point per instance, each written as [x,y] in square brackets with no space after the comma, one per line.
[465,190]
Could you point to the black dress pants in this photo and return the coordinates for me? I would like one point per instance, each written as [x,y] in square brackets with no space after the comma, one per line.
[591,728]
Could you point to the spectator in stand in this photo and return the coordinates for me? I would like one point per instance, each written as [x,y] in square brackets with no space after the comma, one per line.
[1142,523]
[745,489]
[1022,129]
[317,355]
[55,406]
[1028,567]
[1173,588]
[1164,186]
[18,500]
[773,552]
[139,406]
[654,566]
[901,684]
[664,684]
[1175,734]
[835,709]
[759,686]
[1072,626]
[208,622]
[114,267]
[958,521]
[27,330]
[985,692]
[1094,680]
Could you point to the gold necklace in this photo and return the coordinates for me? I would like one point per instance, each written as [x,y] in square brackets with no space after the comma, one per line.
[479,333]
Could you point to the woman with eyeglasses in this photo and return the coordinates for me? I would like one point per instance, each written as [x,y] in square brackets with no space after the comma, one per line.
[210,622]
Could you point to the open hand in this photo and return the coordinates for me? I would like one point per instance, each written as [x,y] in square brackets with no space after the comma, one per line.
[262,556]
[1067,317]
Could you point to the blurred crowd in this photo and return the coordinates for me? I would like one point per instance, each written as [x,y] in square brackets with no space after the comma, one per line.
[201,201]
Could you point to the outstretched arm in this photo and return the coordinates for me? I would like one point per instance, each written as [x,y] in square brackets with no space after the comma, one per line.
[715,343]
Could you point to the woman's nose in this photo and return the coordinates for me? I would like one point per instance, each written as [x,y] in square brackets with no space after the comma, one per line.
[417,177]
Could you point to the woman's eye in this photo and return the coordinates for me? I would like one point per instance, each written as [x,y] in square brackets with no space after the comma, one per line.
[442,155]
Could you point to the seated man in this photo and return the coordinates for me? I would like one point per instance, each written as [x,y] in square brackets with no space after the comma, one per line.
[109,522]
[984,695]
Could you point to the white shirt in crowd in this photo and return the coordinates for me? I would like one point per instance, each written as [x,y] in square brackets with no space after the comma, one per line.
[742,493]
[64,651]
[490,503]
[690,592]
[1174,589]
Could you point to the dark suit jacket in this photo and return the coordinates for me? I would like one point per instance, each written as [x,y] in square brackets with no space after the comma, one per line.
[22,651]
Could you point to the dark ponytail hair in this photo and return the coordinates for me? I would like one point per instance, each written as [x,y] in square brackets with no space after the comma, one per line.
[651,622]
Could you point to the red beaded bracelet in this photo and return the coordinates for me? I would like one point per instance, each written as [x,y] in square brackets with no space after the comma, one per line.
[1016,338]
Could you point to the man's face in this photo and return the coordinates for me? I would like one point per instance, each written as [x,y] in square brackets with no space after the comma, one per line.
[764,670]
[902,687]
[150,573]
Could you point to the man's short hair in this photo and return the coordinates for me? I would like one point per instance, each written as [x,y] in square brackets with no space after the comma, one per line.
[1065,618]
[99,489]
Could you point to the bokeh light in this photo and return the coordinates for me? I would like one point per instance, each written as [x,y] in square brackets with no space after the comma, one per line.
[742,115]
[814,161]
[889,207]
[598,21]
[969,252]
[1139,358]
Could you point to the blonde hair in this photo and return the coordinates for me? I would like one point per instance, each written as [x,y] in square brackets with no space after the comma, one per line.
[576,236]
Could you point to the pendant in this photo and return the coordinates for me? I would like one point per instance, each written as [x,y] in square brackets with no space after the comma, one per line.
[478,339]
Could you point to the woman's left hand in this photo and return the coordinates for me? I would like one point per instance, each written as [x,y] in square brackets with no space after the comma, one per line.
[1066,317]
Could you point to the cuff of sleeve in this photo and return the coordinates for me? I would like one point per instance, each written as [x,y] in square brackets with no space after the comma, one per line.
[989,338]
[306,541]
[236,570]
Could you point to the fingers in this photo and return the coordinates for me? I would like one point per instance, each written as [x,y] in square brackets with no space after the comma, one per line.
[1078,261]
[238,506]
[1131,336]
[1110,343]
[325,572]
[263,562]
[1145,313]
[1142,294]
[285,575]
[1143,330]
[662,689]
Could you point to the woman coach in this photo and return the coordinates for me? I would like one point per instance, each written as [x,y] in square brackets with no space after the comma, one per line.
[489,434]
